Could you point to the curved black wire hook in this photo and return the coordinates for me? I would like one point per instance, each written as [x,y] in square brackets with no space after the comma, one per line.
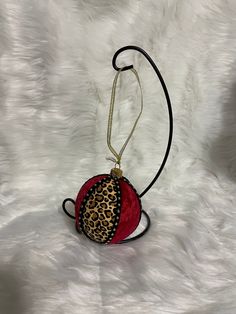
[167,100]
[64,206]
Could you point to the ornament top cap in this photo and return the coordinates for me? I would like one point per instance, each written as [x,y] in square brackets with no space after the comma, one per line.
[116,172]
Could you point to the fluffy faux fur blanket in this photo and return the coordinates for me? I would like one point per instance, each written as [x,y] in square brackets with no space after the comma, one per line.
[55,85]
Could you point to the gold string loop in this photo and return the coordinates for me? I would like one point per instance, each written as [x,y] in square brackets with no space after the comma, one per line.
[119,154]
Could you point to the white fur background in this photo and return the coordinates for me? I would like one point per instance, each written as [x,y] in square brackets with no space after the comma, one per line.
[55,84]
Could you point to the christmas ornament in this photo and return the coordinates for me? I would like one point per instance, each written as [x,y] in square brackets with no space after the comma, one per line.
[108,208]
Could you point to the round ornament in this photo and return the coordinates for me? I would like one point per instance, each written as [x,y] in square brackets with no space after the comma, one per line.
[108,209]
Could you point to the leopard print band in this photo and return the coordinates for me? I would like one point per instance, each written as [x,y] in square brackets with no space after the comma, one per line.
[100,210]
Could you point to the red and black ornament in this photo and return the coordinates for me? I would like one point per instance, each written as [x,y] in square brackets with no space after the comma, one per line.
[107,208]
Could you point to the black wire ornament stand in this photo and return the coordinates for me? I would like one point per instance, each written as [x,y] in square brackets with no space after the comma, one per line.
[128,67]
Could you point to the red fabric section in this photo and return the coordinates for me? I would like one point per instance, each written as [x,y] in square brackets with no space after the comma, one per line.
[83,192]
[130,212]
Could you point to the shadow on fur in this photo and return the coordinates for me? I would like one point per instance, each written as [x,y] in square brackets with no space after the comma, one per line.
[223,150]
[12,298]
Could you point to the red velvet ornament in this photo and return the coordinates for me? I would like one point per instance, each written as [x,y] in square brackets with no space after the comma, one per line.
[107,209]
